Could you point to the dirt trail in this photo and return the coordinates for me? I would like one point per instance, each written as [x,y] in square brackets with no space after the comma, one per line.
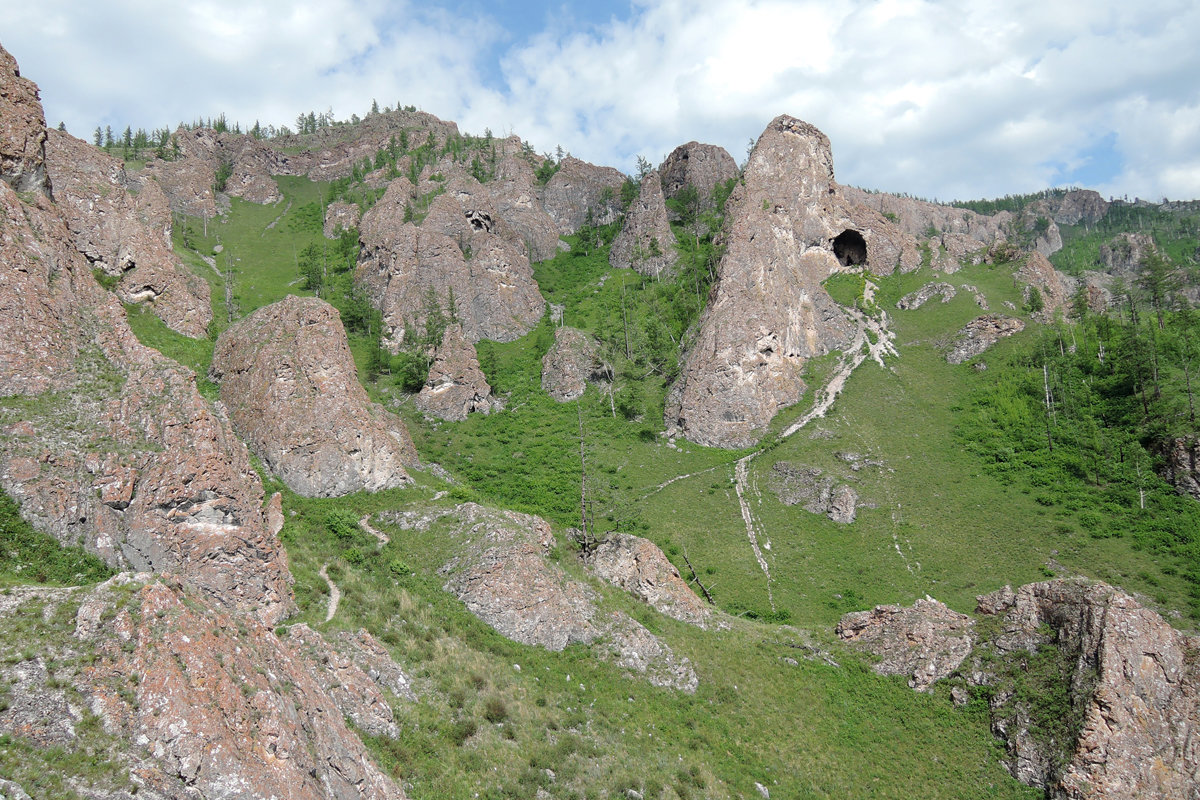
[335,594]
[275,221]
[365,524]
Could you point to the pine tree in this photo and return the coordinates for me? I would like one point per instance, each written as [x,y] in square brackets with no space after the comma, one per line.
[98,136]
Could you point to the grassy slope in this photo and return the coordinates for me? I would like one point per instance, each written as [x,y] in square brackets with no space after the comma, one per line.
[941,526]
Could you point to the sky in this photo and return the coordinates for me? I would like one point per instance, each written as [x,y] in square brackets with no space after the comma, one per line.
[937,99]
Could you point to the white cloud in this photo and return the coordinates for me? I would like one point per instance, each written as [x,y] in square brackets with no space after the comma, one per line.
[945,99]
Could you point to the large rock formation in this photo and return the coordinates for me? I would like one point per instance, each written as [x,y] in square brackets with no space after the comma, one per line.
[515,194]
[571,364]
[289,382]
[340,216]
[1181,464]
[980,334]
[463,247]
[192,701]
[124,230]
[704,166]
[1072,208]
[503,575]
[126,458]
[1132,702]
[924,642]
[456,386]
[578,188]
[1037,272]
[640,568]
[22,131]
[646,242]
[768,312]
[920,218]
[1123,255]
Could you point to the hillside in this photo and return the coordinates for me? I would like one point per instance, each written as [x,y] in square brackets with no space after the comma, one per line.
[562,483]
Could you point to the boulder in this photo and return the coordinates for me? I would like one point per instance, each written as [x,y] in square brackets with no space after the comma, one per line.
[456,386]
[925,641]
[646,242]
[640,568]
[290,385]
[920,297]
[578,188]
[1134,692]
[704,166]
[124,230]
[980,334]
[818,493]
[503,574]
[571,364]
[1052,285]
[768,313]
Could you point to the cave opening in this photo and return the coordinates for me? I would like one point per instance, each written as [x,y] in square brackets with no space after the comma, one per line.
[850,248]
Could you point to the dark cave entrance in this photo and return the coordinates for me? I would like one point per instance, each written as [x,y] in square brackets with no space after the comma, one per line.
[850,248]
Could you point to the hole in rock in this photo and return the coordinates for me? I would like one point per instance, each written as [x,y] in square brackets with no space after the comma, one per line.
[850,248]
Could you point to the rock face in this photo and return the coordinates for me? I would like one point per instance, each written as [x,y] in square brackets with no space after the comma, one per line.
[920,297]
[1134,692]
[640,568]
[704,166]
[22,131]
[571,364]
[980,334]
[646,242]
[464,247]
[818,493]
[456,385]
[289,382]
[926,641]
[193,701]
[124,230]
[515,194]
[579,187]
[918,218]
[1181,465]
[768,312]
[340,216]
[127,459]
[1072,208]
[1123,255]
[504,577]
[1037,271]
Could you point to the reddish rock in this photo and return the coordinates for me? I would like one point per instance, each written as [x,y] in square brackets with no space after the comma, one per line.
[646,242]
[571,364]
[980,334]
[925,642]
[1037,271]
[515,194]
[456,385]
[1181,465]
[640,568]
[704,166]
[579,187]
[124,230]
[1072,208]
[289,382]
[22,131]
[768,313]
[340,216]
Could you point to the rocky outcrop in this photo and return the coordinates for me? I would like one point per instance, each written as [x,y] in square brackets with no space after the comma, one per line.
[124,230]
[192,700]
[340,216]
[126,458]
[1048,242]
[924,219]
[503,575]
[578,188]
[291,389]
[1072,208]
[704,166]
[924,642]
[456,386]
[463,254]
[768,313]
[1123,255]
[646,242]
[980,334]
[22,131]
[640,568]
[1037,271]
[920,297]
[515,194]
[187,183]
[818,493]
[1181,464]
[1132,703]
[571,364]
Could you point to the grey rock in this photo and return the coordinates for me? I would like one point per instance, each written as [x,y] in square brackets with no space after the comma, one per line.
[980,334]
[578,188]
[704,166]
[640,568]
[571,364]
[456,386]
[926,641]
[920,297]
[646,242]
